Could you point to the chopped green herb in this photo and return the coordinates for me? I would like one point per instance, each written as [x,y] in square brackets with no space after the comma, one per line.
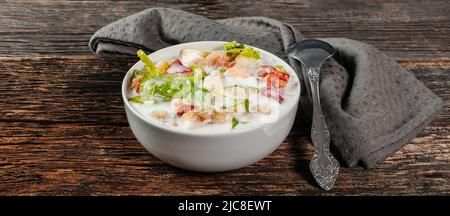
[246,104]
[136,99]
[234,123]
[222,70]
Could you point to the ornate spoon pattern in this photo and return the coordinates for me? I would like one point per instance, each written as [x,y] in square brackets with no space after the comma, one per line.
[312,54]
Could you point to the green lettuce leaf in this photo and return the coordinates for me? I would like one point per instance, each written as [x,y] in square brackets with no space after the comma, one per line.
[233,45]
[136,99]
[234,49]
[149,66]
[250,52]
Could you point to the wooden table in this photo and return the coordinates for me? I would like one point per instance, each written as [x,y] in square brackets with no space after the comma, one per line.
[64,130]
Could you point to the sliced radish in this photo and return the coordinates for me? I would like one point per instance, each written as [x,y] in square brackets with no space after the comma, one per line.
[178,67]
[185,108]
[177,62]
[135,83]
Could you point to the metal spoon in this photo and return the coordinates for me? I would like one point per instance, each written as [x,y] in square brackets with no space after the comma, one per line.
[312,54]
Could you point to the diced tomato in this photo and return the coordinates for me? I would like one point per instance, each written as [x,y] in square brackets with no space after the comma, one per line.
[185,108]
[275,78]
[272,80]
[284,76]
[282,83]
[276,81]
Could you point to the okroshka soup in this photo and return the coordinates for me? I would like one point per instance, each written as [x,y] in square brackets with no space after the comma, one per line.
[233,88]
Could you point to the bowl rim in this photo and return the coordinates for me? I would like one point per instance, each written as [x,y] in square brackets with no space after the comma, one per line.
[202,134]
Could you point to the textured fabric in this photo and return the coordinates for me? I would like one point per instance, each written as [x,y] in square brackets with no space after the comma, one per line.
[372,105]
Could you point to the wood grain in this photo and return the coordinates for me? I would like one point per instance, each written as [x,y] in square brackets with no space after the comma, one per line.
[405,29]
[64,130]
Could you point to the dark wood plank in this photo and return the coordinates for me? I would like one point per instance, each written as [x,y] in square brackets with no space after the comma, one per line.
[64,132]
[406,30]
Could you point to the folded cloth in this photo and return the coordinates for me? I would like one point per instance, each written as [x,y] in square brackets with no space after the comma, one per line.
[372,105]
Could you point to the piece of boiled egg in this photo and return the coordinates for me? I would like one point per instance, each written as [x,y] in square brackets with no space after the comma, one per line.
[190,56]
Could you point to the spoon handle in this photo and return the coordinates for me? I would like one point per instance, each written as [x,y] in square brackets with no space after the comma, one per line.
[323,166]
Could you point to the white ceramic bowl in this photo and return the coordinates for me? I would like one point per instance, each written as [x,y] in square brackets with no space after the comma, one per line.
[212,152]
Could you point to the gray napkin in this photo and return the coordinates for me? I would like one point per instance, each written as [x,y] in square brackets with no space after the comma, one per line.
[373,106]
